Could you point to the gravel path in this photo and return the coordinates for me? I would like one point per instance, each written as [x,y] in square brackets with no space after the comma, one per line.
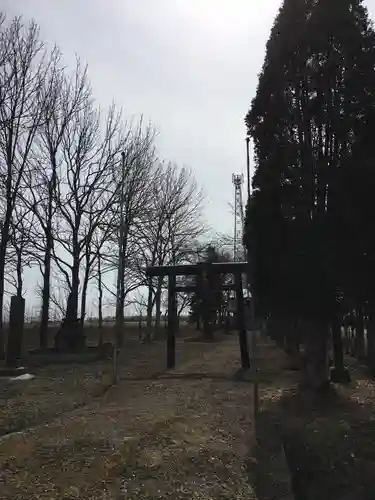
[173,436]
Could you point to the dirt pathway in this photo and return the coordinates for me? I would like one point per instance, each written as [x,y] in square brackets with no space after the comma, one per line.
[186,434]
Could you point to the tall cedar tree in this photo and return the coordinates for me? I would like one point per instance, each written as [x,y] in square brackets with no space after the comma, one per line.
[310,122]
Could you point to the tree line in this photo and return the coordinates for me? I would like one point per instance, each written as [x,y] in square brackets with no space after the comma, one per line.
[309,222]
[83,191]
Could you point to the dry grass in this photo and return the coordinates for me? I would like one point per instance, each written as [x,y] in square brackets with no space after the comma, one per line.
[60,388]
[167,437]
[329,441]
[92,333]
[31,334]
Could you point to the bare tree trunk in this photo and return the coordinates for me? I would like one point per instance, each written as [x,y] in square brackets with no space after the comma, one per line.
[19,273]
[359,334]
[83,300]
[84,291]
[3,248]
[71,315]
[198,324]
[207,327]
[119,325]
[149,311]
[72,306]
[292,342]
[346,343]
[317,369]
[339,373]
[19,245]
[220,318]
[100,301]
[370,354]
[46,292]
[70,336]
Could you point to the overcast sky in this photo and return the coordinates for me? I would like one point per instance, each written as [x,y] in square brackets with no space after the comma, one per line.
[190,66]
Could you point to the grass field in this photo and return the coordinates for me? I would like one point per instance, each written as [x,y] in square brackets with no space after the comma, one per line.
[185,433]
[91,330]
[156,434]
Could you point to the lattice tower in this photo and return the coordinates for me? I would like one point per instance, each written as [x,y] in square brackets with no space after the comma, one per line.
[238,247]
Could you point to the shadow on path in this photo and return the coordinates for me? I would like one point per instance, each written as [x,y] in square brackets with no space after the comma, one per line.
[238,376]
[329,440]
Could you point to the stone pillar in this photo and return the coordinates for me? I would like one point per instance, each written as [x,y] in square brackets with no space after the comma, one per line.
[15,332]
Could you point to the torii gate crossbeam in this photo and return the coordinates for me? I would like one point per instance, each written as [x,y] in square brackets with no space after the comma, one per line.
[235,268]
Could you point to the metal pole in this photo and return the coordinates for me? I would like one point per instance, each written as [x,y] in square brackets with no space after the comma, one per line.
[121,234]
[248,166]
[235,221]
[253,330]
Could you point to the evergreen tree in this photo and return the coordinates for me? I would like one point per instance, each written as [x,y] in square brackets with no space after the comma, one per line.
[206,302]
[308,122]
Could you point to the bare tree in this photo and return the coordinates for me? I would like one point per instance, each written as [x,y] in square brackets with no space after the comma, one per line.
[135,179]
[100,298]
[84,193]
[183,301]
[65,95]
[20,253]
[81,196]
[58,296]
[140,305]
[22,73]
[119,186]
[169,228]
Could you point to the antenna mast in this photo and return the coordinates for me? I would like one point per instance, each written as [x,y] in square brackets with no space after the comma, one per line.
[238,248]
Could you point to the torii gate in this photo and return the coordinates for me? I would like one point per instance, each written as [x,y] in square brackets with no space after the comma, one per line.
[201,269]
